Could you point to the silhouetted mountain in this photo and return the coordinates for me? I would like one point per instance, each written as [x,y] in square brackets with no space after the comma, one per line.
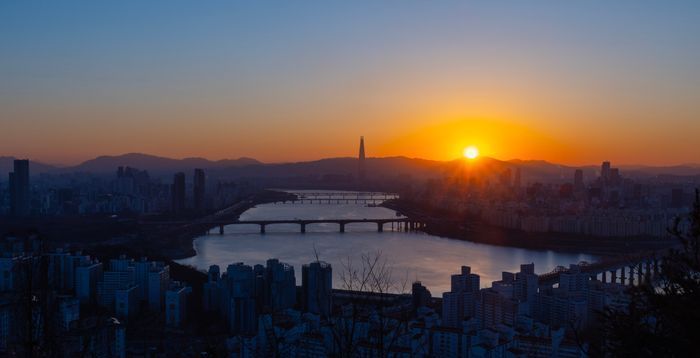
[389,167]
[675,170]
[541,170]
[377,168]
[7,165]
[154,164]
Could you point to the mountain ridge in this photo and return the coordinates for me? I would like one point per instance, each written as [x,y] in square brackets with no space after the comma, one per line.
[394,165]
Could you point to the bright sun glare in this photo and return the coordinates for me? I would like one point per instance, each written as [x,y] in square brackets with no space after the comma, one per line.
[471,152]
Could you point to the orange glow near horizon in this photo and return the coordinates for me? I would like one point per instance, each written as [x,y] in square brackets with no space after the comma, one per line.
[497,139]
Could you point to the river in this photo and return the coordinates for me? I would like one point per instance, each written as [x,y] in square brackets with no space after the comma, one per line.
[412,256]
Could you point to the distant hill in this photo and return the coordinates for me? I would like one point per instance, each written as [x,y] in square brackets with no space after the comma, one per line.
[377,168]
[676,170]
[388,167]
[7,165]
[154,164]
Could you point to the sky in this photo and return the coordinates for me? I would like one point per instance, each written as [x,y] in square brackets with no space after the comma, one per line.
[574,82]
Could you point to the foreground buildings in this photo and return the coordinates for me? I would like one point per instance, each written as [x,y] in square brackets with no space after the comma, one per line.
[78,301]
[514,317]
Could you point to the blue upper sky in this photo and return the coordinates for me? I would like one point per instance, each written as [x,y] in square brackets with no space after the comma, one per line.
[247,66]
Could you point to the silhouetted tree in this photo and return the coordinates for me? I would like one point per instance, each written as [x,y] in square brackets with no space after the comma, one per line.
[663,317]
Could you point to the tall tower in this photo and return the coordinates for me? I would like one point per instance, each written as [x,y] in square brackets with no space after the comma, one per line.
[361,166]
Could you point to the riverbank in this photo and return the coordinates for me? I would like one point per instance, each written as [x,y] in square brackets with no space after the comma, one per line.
[471,229]
[178,242]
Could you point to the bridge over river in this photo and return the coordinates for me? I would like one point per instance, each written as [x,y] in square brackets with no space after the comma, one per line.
[402,224]
[339,197]
[626,269]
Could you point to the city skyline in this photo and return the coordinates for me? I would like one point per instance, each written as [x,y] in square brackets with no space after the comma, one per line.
[567,83]
[349,179]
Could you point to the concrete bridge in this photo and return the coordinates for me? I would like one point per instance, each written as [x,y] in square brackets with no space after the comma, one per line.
[339,197]
[626,270]
[403,224]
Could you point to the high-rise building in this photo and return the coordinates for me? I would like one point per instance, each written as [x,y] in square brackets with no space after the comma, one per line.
[126,302]
[361,164]
[317,284]
[178,193]
[158,282]
[237,300]
[212,290]
[420,295]
[19,189]
[281,285]
[121,276]
[460,302]
[176,303]
[86,278]
[199,190]
[526,285]
[141,269]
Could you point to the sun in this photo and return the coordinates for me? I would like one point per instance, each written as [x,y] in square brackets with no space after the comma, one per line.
[471,152]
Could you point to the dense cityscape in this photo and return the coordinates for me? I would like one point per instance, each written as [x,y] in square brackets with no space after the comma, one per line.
[119,305]
[364,179]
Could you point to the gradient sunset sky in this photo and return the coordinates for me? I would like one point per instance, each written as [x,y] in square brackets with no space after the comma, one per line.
[574,82]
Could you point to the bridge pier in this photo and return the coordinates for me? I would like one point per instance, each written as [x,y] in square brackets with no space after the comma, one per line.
[380,227]
[622,275]
[221,229]
[303,227]
[342,227]
[613,276]
[262,228]
[603,277]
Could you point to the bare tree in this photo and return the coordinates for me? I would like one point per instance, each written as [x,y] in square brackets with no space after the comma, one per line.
[370,318]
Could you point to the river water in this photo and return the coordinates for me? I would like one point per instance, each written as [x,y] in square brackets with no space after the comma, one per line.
[411,256]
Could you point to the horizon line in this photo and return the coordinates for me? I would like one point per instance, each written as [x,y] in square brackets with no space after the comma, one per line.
[578,165]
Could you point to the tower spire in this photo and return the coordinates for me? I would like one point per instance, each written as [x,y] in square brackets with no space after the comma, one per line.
[361,167]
